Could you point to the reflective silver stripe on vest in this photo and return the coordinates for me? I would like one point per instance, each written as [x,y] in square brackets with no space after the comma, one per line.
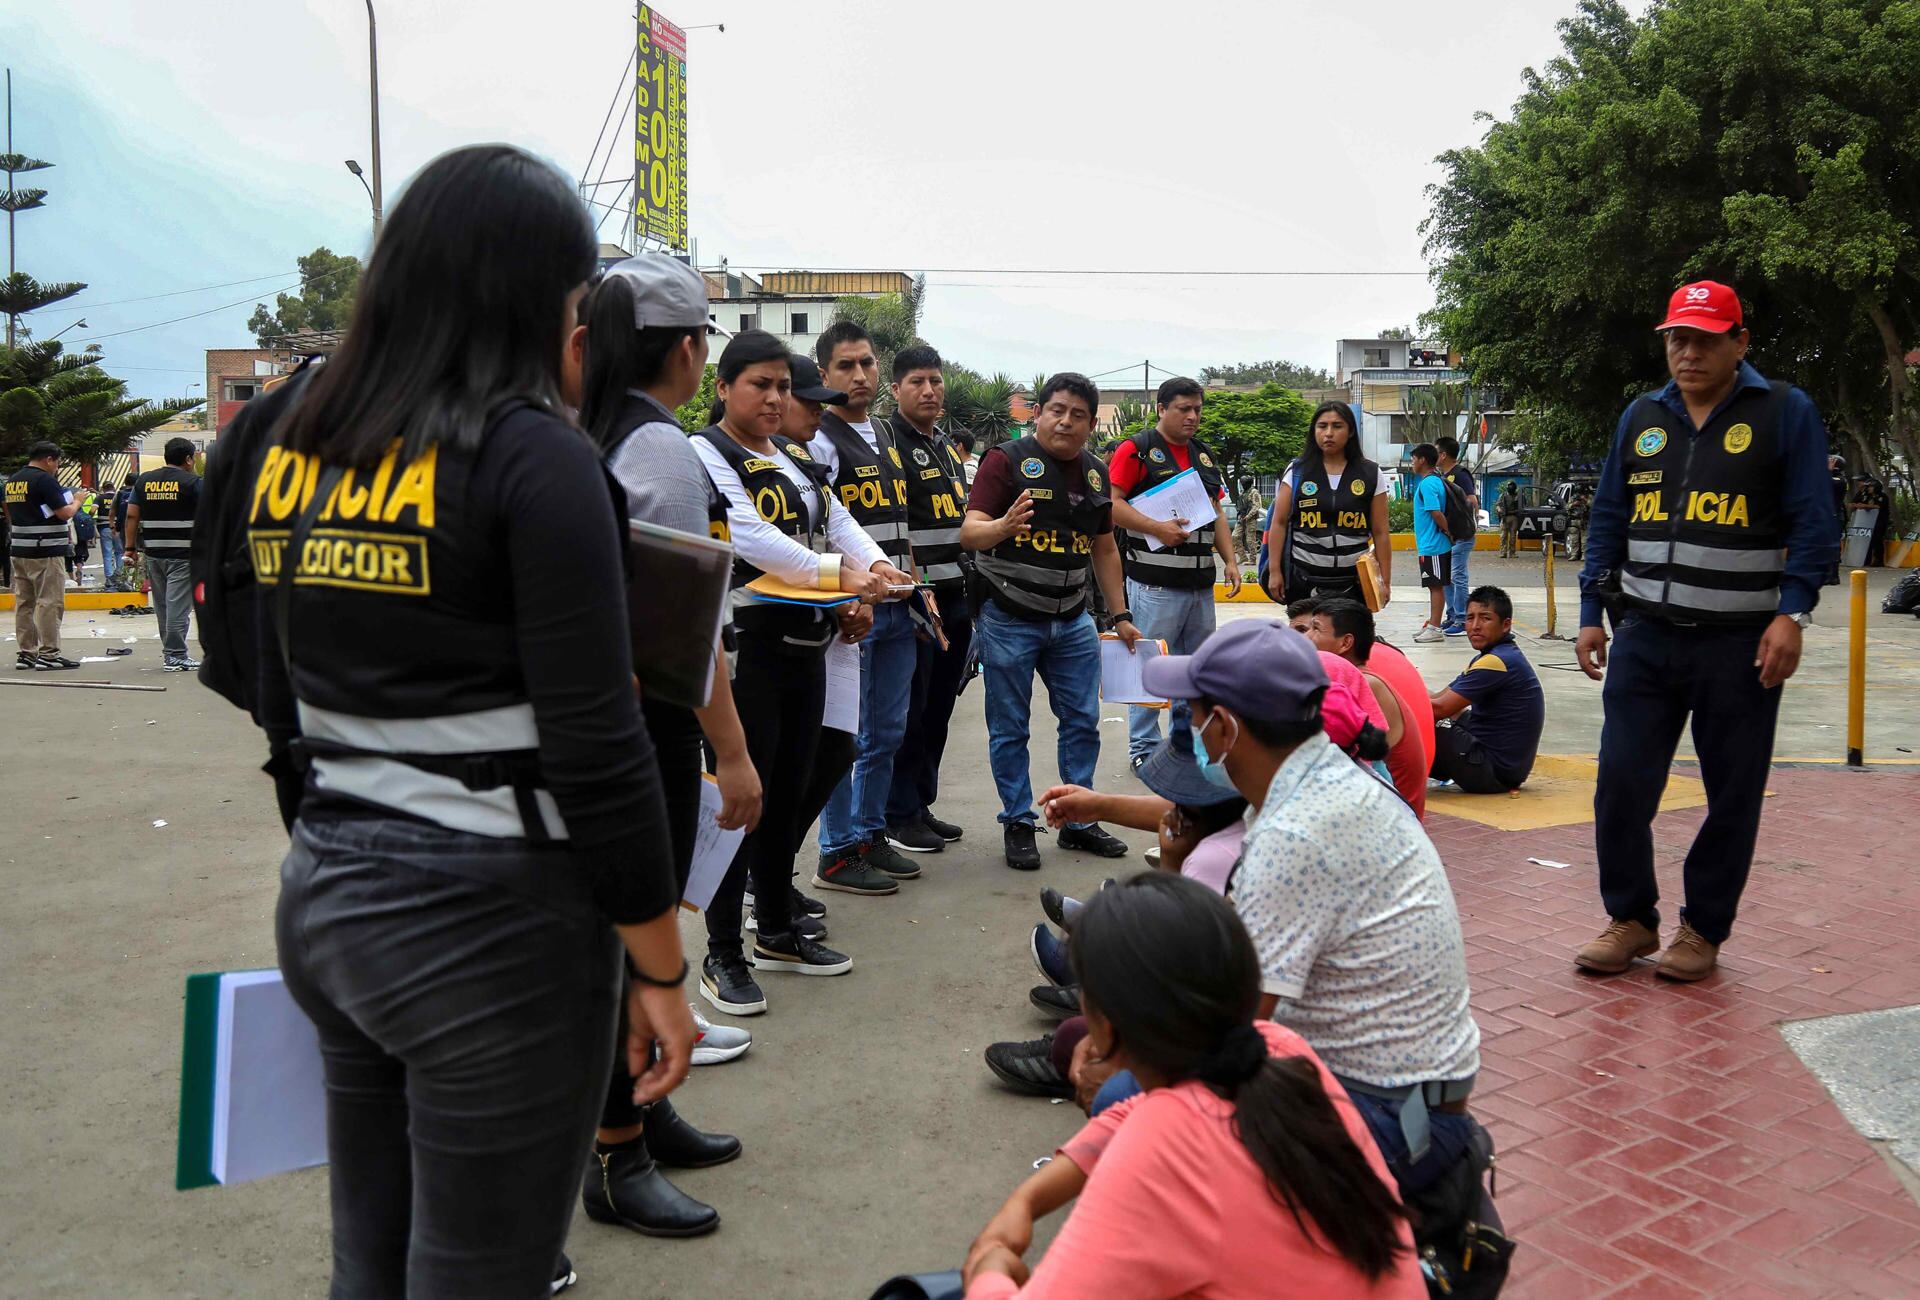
[885,532]
[1170,559]
[488,731]
[1694,556]
[934,536]
[440,799]
[29,538]
[149,542]
[1008,573]
[1331,542]
[1684,596]
[941,573]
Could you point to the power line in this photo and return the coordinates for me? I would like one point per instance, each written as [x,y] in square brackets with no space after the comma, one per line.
[297,284]
[171,293]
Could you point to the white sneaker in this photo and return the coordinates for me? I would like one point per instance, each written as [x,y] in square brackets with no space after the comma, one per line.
[1429,634]
[718,1044]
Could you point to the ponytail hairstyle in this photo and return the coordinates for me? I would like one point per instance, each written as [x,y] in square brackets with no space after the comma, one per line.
[1169,967]
[747,348]
[620,356]
[1371,744]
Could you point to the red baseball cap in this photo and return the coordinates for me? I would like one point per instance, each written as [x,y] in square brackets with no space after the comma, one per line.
[1703,305]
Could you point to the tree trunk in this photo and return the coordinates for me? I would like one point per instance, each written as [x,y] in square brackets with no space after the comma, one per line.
[1899,389]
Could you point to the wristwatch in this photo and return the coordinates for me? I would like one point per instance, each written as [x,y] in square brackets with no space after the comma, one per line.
[1123,616]
[1803,619]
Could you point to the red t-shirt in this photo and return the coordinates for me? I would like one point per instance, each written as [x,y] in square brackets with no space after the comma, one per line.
[1126,471]
[1405,760]
[994,488]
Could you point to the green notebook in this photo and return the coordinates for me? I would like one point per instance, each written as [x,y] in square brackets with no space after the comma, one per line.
[252,1094]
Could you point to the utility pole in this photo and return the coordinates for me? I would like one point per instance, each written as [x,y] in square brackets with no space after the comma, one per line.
[373,82]
[1145,382]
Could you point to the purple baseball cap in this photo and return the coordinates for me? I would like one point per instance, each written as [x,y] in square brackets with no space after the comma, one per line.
[1259,668]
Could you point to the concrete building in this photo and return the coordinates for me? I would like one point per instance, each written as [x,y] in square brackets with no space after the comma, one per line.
[234,376]
[1379,375]
[793,306]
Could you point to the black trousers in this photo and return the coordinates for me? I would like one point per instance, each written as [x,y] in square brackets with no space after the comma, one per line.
[1657,675]
[831,763]
[680,747]
[464,991]
[781,697]
[936,688]
[1459,757]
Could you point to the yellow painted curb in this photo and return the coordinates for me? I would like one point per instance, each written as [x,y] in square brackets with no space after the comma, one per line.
[91,599]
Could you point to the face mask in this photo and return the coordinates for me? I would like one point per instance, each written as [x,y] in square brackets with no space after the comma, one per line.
[1211,768]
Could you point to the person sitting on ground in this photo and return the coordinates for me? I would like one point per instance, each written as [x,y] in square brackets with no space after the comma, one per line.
[1242,1162]
[1344,895]
[1300,614]
[1345,628]
[1491,751]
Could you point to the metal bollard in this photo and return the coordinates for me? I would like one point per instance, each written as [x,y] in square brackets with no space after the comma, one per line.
[1857,671]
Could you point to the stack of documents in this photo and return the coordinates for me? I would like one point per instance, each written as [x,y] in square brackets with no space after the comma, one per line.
[771,589]
[713,849]
[1183,496]
[1120,671]
[253,1100]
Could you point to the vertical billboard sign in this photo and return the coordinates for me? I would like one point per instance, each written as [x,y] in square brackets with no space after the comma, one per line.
[660,132]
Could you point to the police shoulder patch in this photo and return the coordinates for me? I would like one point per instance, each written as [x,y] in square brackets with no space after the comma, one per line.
[1093,479]
[1359,489]
[1157,456]
[1308,488]
[920,456]
[1651,442]
[1739,438]
[895,453]
[796,451]
[1032,468]
[1206,460]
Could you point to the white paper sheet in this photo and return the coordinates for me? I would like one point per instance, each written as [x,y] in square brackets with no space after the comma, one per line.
[843,687]
[1183,496]
[713,849]
[269,1097]
[1120,671]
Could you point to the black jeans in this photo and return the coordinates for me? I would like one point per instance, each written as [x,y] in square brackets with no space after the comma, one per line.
[936,688]
[781,697]
[1459,757]
[464,992]
[1658,674]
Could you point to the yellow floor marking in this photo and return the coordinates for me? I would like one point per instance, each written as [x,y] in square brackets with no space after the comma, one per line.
[1559,793]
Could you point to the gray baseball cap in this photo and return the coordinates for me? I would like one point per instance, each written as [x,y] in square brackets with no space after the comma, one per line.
[666,292]
[1258,668]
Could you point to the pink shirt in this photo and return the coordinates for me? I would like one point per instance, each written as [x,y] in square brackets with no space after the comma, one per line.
[1175,1207]
[1212,859]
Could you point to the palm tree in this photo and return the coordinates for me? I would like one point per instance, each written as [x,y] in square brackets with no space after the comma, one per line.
[980,405]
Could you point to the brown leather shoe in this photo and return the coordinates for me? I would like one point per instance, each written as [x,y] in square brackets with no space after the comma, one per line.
[1689,957]
[1617,946]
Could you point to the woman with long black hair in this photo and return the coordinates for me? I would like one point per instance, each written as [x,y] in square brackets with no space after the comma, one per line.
[786,524]
[1242,1170]
[1329,510]
[481,830]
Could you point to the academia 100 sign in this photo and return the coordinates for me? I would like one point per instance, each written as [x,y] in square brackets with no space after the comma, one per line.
[660,132]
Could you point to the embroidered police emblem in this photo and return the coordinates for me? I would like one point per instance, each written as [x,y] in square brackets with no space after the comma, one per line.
[920,456]
[1157,456]
[1739,438]
[1206,460]
[798,452]
[1651,442]
[1308,489]
[1093,479]
[1032,467]
[895,453]
[1359,488]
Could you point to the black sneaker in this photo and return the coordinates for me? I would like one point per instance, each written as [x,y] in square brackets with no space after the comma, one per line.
[1028,1067]
[25,661]
[1092,839]
[807,926]
[54,662]
[1058,1001]
[805,906]
[1059,908]
[945,830]
[1137,762]
[798,956]
[1018,839]
[727,985]
[880,856]
[563,1275]
[849,873]
[914,837]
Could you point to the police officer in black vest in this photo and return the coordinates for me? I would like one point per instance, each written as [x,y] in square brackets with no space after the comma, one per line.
[1171,589]
[1710,533]
[936,504]
[38,509]
[160,523]
[1040,522]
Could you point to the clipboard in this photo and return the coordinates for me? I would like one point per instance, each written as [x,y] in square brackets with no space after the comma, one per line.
[1369,571]
[677,589]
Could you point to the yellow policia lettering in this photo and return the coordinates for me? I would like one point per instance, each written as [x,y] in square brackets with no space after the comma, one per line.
[288,479]
[1048,540]
[945,508]
[1646,508]
[162,490]
[1312,519]
[16,493]
[719,530]
[1717,508]
[871,495]
[1351,519]
[772,505]
[339,557]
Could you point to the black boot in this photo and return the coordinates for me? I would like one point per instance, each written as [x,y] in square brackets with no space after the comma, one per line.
[624,1186]
[679,1145]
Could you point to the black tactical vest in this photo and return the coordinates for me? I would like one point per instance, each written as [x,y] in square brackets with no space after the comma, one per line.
[166,499]
[936,501]
[1706,526]
[1329,527]
[872,486]
[779,502]
[1047,573]
[1189,564]
[30,534]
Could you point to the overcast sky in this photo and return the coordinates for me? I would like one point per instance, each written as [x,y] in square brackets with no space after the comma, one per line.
[200,142]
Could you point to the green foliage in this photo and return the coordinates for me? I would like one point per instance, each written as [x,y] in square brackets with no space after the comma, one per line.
[692,413]
[328,283]
[1288,374]
[1433,410]
[979,404]
[47,392]
[1400,515]
[893,319]
[1257,432]
[20,293]
[1128,418]
[1397,332]
[1772,144]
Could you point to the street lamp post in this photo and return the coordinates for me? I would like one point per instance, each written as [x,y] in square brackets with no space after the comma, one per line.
[186,394]
[79,324]
[373,83]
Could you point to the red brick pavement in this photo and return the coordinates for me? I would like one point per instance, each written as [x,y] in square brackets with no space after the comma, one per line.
[1661,1139]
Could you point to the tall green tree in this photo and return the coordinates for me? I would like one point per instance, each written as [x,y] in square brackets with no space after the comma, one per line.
[1257,432]
[48,392]
[20,293]
[893,319]
[1288,374]
[693,413]
[1771,144]
[324,301]
[1434,410]
[979,404]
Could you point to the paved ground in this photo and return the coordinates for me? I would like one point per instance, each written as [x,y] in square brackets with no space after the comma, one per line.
[1658,1141]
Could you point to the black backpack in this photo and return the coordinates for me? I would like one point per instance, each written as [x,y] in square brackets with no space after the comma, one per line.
[224,590]
[1460,521]
[1904,598]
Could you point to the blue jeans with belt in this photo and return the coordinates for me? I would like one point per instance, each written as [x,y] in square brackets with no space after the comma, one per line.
[856,812]
[1065,652]
[1460,585]
[1183,617]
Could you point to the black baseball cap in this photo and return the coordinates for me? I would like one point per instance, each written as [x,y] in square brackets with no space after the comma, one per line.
[807,383]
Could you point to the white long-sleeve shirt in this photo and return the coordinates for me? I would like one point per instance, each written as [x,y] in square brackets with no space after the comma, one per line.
[771,551]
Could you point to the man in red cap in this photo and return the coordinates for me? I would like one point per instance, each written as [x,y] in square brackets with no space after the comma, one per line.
[1710,533]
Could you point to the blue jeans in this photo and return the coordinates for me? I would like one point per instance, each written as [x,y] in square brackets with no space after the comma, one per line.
[1449,1137]
[172,596]
[1457,590]
[1066,654]
[1181,617]
[1118,1087]
[110,553]
[856,811]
